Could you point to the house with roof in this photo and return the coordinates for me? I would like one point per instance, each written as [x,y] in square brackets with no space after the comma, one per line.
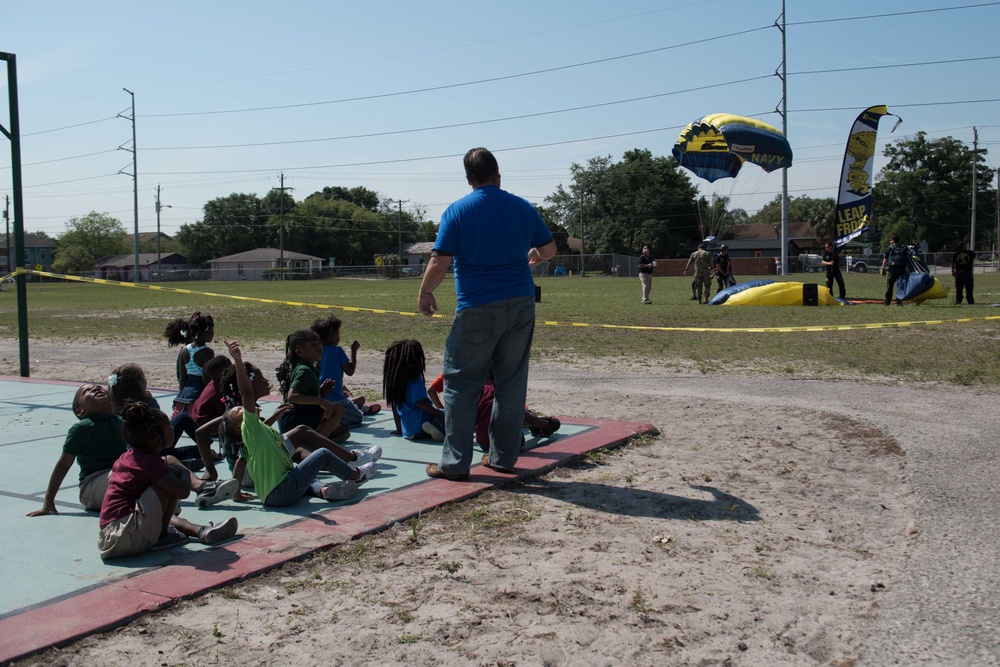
[417,254]
[122,267]
[764,241]
[264,263]
[39,250]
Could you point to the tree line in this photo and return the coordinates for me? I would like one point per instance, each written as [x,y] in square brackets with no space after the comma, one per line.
[922,194]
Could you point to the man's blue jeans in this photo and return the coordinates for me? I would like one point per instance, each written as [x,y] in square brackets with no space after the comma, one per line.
[494,337]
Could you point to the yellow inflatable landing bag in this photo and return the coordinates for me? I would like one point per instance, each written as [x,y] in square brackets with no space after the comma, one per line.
[779,294]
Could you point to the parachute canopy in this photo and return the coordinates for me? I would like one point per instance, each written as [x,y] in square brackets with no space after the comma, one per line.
[717,146]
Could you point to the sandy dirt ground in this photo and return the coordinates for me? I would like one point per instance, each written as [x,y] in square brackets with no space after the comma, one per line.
[754,530]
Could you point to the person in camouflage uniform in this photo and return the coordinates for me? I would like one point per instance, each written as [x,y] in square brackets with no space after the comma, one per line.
[702,261]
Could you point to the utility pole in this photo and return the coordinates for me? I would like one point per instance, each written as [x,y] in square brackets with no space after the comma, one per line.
[996,244]
[975,151]
[6,217]
[399,228]
[582,236]
[135,184]
[158,207]
[281,226]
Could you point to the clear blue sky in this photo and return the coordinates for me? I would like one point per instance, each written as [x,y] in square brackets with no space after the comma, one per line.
[353,68]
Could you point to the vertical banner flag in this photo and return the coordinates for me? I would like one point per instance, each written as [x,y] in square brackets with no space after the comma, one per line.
[854,199]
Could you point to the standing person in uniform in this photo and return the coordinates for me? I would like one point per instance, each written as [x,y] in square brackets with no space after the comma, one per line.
[893,266]
[494,237]
[646,273]
[723,269]
[831,261]
[702,271]
[961,268]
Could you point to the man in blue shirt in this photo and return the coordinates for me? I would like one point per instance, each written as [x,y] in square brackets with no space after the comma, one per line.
[494,238]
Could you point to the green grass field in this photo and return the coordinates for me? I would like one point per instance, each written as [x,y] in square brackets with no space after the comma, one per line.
[952,352]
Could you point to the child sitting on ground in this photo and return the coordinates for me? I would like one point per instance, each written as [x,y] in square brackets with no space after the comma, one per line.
[195,333]
[280,482]
[95,441]
[299,382]
[335,365]
[404,387]
[539,425]
[137,514]
[209,404]
[127,383]
[297,439]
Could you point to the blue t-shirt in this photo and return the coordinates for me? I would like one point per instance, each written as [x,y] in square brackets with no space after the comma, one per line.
[331,367]
[412,418]
[489,232]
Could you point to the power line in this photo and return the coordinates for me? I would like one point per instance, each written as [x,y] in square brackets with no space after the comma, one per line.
[893,14]
[505,77]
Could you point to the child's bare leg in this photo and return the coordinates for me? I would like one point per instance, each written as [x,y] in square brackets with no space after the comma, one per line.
[531,420]
[183,471]
[359,401]
[305,438]
[329,425]
[169,504]
[206,534]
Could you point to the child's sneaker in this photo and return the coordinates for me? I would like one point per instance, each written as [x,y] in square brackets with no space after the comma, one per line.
[365,472]
[341,491]
[218,492]
[367,455]
[214,533]
[172,538]
[433,431]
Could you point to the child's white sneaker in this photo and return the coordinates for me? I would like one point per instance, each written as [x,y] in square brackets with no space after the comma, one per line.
[341,491]
[367,455]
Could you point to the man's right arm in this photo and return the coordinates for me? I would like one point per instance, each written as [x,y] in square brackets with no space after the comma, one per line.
[437,266]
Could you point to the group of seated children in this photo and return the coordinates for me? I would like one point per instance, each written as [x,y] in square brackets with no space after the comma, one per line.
[134,474]
[129,466]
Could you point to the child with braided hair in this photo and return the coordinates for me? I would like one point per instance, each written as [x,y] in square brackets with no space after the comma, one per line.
[405,391]
[195,333]
[137,514]
[298,379]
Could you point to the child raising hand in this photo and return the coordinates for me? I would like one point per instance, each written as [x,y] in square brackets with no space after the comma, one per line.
[278,481]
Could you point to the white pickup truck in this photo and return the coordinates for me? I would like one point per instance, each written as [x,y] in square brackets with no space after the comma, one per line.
[861,264]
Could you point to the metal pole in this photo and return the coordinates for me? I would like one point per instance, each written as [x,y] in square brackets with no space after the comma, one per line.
[975,152]
[281,229]
[580,272]
[15,162]
[157,228]
[784,130]
[6,217]
[135,192]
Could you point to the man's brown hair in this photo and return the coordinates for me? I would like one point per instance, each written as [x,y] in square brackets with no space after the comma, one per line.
[480,165]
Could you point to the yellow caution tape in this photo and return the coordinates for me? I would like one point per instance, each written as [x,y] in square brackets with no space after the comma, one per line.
[550,323]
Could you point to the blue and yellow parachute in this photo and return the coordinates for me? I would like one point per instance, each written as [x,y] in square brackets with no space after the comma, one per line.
[717,146]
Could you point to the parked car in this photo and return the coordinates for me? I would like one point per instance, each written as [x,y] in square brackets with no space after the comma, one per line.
[410,271]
